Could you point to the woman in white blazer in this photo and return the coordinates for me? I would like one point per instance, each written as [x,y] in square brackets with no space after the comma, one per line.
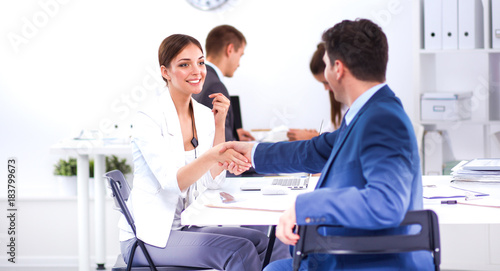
[176,156]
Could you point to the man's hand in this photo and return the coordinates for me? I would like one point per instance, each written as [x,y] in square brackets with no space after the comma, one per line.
[230,159]
[245,148]
[242,148]
[244,135]
[286,224]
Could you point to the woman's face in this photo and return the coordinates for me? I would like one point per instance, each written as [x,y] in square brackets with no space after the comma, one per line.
[320,77]
[187,71]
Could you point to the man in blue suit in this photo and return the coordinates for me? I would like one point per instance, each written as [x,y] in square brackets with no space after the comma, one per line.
[370,166]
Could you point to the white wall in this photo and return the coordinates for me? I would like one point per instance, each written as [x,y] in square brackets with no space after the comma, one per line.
[69,65]
[72,65]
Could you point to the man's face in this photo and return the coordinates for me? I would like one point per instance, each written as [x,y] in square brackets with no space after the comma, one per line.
[332,77]
[234,60]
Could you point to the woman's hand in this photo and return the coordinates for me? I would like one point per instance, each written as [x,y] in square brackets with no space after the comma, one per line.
[230,159]
[220,107]
[301,134]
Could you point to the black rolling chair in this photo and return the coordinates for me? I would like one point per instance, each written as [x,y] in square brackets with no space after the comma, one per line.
[426,239]
[121,191]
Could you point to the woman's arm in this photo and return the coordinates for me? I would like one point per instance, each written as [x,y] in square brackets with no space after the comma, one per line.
[220,108]
[193,171]
[213,160]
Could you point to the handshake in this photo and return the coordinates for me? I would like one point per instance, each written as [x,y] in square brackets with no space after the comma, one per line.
[233,156]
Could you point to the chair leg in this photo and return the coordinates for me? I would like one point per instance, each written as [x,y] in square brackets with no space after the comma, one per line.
[146,254]
[131,256]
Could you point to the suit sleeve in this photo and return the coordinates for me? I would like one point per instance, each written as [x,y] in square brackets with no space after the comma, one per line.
[298,156]
[387,166]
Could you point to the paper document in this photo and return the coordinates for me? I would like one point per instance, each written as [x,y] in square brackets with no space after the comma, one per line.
[477,170]
[272,203]
[483,164]
[448,191]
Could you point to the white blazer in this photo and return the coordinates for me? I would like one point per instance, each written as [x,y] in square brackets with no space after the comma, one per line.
[158,153]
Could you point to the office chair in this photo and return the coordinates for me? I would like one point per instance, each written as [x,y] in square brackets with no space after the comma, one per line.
[427,239]
[121,191]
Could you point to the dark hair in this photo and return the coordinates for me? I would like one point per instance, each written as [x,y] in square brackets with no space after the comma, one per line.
[220,37]
[317,66]
[362,47]
[172,45]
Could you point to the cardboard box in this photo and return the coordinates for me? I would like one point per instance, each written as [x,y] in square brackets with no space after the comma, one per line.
[445,106]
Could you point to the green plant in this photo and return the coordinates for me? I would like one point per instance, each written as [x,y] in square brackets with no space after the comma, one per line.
[65,168]
[113,163]
[68,167]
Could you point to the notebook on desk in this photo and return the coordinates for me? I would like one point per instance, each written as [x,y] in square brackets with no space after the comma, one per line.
[292,182]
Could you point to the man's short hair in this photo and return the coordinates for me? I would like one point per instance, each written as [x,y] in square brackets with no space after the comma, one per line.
[220,37]
[362,47]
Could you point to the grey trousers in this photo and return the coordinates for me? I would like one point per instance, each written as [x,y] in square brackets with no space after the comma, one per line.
[221,248]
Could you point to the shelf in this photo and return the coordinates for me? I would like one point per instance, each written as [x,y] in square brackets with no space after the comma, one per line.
[462,70]
[445,122]
[460,51]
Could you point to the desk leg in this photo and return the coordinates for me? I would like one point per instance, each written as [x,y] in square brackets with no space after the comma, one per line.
[82,172]
[99,210]
[270,246]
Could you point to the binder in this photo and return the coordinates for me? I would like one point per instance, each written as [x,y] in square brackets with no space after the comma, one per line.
[450,24]
[495,24]
[432,24]
[433,153]
[470,24]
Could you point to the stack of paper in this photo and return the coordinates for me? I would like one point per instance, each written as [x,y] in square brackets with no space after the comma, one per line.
[448,192]
[479,170]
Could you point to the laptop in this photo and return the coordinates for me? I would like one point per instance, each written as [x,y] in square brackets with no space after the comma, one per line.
[292,182]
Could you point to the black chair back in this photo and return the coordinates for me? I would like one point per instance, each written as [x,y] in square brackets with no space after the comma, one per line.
[121,191]
[311,241]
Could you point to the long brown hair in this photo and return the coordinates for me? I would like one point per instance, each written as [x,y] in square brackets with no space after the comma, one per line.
[317,66]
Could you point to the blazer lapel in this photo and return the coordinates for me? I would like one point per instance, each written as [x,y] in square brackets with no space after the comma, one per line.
[171,121]
[383,92]
[339,142]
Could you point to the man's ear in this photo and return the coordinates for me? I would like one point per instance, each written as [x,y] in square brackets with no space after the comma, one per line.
[164,72]
[229,49]
[339,69]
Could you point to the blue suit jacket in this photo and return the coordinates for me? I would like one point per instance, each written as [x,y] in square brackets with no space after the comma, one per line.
[370,179]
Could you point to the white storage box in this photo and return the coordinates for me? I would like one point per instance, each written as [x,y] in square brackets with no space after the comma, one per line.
[445,106]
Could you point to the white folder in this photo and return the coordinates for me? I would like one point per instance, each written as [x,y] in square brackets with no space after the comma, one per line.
[432,24]
[433,153]
[495,24]
[450,24]
[470,24]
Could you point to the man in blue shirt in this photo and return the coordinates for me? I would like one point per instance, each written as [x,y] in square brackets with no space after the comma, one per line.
[370,167]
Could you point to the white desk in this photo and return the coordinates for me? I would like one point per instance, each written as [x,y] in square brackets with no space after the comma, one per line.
[82,149]
[199,214]
[466,231]
[463,214]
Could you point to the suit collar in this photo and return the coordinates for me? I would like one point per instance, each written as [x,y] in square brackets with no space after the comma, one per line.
[385,91]
[361,101]
[216,69]
[167,106]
